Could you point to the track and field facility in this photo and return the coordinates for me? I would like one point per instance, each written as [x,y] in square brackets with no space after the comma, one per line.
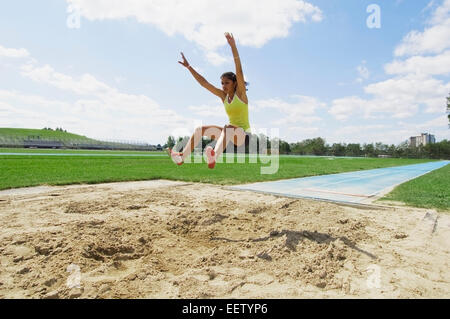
[95,224]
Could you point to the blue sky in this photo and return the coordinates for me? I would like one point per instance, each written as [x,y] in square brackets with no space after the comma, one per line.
[315,67]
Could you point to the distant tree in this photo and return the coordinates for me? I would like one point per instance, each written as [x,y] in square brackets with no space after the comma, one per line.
[296,148]
[170,142]
[353,150]
[369,150]
[439,150]
[401,150]
[381,149]
[317,146]
[284,147]
[448,109]
[338,149]
[391,150]
[263,147]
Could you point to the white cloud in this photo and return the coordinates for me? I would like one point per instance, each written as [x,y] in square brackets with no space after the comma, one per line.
[86,85]
[433,65]
[440,122]
[363,72]
[437,126]
[13,53]
[252,22]
[301,111]
[358,129]
[429,6]
[413,85]
[434,39]
[398,97]
[216,59]
[295,134]
[441,14]
[371,133]
[96,118]
[205,111]
[403,94]
[27,111]
[388,133]
[119,79]
[347,107]
[98,110]
[306,132]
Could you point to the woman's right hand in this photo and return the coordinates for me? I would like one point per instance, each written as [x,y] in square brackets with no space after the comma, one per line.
[185,63]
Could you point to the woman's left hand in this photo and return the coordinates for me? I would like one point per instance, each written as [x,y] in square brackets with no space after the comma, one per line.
[230,39]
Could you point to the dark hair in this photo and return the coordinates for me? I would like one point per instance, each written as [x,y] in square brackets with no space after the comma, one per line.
[231,76]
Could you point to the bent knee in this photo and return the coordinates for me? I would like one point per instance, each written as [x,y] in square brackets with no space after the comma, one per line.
[239,138]
[212,131]
[199,129]
[229,127]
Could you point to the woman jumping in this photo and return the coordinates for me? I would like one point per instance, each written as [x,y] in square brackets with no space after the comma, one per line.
[234,98]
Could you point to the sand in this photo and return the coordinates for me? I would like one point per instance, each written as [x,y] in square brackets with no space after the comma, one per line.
[165,239]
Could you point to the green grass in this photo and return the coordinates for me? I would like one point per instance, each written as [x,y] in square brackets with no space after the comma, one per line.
[23,133]
[428,191]
[72,151]
[22,170]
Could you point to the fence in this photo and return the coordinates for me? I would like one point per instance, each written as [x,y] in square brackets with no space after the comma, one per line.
[18,142]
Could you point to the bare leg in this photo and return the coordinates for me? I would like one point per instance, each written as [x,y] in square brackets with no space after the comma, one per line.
[211,131]
[225,137]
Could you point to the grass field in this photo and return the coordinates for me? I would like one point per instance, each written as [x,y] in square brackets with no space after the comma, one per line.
[429,191]
[20,137]
[72,151]
[43,134]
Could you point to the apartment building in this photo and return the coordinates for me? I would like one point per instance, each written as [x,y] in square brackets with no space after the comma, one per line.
[423,140]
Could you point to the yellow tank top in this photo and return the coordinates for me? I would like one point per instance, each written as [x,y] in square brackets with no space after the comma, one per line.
[237,112]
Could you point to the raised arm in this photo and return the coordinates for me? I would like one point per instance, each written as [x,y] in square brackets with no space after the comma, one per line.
[201,80]
[237,61]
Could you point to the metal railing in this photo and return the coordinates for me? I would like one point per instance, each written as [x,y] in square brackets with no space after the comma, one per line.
[18,142]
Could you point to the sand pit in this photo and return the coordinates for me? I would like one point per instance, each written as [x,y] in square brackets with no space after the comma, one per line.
[164,239]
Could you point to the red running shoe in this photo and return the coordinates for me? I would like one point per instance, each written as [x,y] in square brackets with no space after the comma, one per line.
[175,156]
[211,156]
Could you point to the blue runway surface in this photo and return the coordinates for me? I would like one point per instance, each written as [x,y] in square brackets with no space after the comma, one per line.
[352,187]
